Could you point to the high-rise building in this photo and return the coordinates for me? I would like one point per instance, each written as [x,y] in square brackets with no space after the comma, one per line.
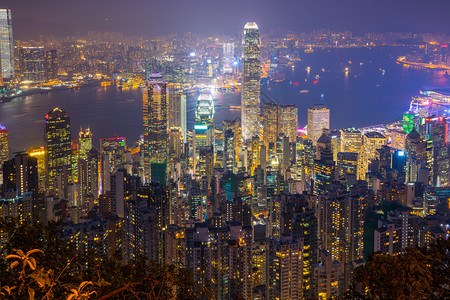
[6,45]
[39,154]
[228,57]
[155,128]
[284,268]
[318,120]
[204,126]
[57,147]
[279,119]
[177,112]
[288,121]
[32,63]
[51,64]
[270,123]
[372,141]
[84,142]
[20,175]
[4,149]
[351,140]
[251,73]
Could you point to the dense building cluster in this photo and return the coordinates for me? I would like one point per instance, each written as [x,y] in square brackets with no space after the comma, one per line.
[254,208]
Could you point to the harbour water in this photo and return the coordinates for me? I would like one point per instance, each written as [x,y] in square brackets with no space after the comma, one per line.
[375,90]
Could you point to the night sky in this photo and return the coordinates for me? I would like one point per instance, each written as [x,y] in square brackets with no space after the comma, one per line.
[151,18]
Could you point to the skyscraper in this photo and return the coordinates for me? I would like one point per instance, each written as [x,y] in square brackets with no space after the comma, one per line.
[318,120]
[6,44]
[57,147]
[177,112]
[4,150]
[20,174]
[51,64]
[288,121]
[251,69]
[155,127]
[32,63]
[84,142]
[204,125]
[270,123]
[371,142]
[228,57]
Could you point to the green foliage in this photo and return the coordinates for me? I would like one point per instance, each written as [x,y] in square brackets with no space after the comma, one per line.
[418,273]
[36,264]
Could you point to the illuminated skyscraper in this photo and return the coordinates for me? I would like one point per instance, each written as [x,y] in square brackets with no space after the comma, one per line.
[39,154]
[177,112]
[4,149]
[51,64]
[318,120]
[57,147]
[371,142]
[270,123]
[228,57]
[31,62]
[279,119]
[84,142]
[288,121]
[155,128]
[204,125]
[20,174]
[251,69]
[6,44]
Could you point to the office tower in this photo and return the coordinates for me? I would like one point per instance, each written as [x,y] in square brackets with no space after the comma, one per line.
[6,45]
[115,149]
[57,148]
[4,149]
[347,166]
[39,154]
[228,57]
[88,177]
[351,140]
[324,172]
[284,268]
[372,141]
[279,119]
[318,120]
[204,126]
[408,122]
[84,143]
[31,62]
[251,69]
[177,113]
[51,64]
[155,129]
[270,123]
[20,175]
[288,121]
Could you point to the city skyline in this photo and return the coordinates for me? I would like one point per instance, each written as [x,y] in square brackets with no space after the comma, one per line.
[265,165]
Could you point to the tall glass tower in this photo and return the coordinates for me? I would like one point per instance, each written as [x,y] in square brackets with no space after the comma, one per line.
[57,147]
[155,129]
[6,44]
[251,73]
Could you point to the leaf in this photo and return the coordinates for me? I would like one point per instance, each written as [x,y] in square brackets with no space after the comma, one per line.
[13,256]
[14,264]
[32,263]
[34,251]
